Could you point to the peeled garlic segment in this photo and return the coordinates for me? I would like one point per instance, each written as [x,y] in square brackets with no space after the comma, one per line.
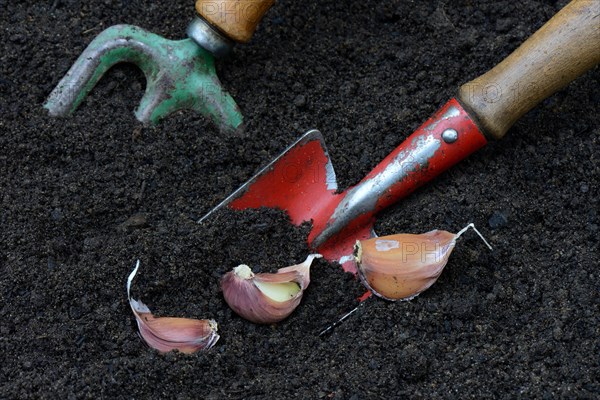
[278,291]
[166,333]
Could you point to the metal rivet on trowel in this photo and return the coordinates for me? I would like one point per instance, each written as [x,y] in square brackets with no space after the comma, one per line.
[450,135]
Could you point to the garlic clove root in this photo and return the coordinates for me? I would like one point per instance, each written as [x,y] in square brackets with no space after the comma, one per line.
[266,298]
[167,333]
[401,266]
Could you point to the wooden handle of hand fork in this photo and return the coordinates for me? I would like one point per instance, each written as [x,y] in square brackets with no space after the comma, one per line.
[237,19]
[561,50]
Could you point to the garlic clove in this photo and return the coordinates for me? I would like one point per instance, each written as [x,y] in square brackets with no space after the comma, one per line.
[167,333]
[183,334]
[401,266]
[266,298]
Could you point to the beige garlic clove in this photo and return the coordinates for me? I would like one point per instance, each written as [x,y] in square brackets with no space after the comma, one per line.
[266,298]
[167,333]
[401,266]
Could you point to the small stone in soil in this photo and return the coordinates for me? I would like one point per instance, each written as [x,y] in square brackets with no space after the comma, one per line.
[498,220]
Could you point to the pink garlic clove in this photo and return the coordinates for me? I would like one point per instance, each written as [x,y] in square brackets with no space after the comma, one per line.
[266,298]
[401,266]
[167,333]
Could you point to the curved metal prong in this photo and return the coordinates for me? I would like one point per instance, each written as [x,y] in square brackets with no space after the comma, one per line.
[179,75]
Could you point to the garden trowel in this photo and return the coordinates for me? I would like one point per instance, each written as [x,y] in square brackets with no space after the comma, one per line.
[179,74]
[302,181]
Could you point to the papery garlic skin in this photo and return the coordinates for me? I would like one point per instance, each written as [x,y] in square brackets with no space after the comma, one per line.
[248,294]
[399,267]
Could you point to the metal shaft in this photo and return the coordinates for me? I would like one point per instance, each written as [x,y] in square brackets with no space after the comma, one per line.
[445,139]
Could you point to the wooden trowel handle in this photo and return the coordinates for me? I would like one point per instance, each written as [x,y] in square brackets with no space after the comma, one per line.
[235,18]
[564,48]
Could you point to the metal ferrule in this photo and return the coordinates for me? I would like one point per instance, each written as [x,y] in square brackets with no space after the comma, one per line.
[209,38]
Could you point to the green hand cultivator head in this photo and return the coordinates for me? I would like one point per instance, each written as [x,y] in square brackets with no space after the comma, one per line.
[180,74]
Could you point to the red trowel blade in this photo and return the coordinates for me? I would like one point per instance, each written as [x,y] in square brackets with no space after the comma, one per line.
[299,181]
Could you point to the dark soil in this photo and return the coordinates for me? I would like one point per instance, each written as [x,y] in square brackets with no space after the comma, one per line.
[518,322]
